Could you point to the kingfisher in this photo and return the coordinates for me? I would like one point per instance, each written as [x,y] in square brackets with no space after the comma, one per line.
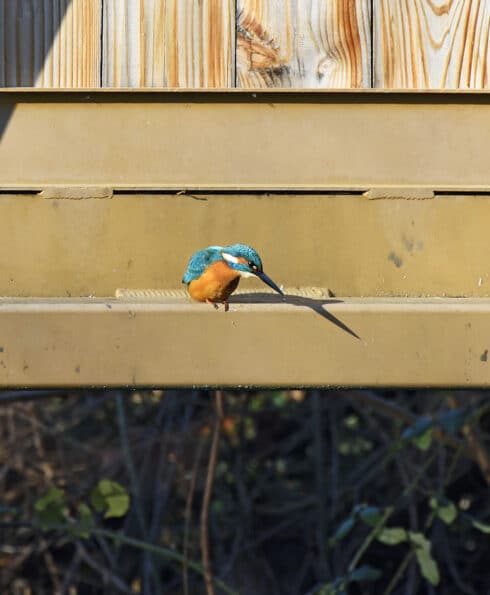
[214,273]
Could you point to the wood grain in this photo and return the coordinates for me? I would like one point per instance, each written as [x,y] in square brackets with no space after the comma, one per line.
[307,43]
[50,43]
[168,43]
[432,44]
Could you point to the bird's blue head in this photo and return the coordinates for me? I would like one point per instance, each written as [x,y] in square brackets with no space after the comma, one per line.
[247,262]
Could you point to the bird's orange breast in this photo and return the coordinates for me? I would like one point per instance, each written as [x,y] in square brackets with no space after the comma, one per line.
[216,284]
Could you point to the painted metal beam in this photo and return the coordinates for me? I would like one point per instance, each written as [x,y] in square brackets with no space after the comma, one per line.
[410,221]
[263,342]
[242,140]
[347,243]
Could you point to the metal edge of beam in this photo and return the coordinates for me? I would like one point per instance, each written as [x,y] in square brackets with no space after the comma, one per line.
[259,342]
[244,140]
[129,93]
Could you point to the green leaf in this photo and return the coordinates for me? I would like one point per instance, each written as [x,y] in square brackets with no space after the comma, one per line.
[52,496]
[452,421]
[419,540]
[51,507]
[428,566]
[424,441]
[86,521]
[365,573]
[371,515]
[392,535]
[420,433]
[111,498]
[344,529]
[445,509]
[483,527]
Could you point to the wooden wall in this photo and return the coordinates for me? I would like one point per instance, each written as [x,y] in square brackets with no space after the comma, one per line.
[245,43]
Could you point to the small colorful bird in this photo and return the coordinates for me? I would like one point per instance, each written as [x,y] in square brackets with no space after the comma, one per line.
[213,274]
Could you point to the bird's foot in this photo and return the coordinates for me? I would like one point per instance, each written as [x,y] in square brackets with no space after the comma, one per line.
[214,304]
[227,306]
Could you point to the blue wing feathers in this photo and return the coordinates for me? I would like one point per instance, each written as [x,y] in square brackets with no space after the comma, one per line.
[200,261]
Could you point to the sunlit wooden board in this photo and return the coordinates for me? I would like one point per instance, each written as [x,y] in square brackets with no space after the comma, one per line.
[432,44]
[168,43]
[307,43]
[47,43]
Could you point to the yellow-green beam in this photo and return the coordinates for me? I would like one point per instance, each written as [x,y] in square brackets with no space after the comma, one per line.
[260,342]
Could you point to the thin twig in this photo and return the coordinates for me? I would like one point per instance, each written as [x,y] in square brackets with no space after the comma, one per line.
[118,538]
[106,575]
[133,479]
[61,435]
[394,411]
[188,516]
[321,484]
[213,457]
[70,573]
[370,538]
[161,495]
[8,397]
[399,572]
[128,459]
[51,567]
[477,449]
[453,567]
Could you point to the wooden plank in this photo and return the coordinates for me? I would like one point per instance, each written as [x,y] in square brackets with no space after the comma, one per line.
[50,44]
[421,44]
[168,43]
[314,44]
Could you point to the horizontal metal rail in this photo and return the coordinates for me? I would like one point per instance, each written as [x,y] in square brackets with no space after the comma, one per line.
[346,243]
[242,140]
[362,193]
[260,341]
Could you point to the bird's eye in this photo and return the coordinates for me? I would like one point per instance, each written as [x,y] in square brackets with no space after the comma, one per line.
[253,266]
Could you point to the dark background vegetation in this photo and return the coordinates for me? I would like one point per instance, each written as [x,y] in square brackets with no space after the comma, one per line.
[250,492]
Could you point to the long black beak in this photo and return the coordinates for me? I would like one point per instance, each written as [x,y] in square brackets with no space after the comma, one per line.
[269,282]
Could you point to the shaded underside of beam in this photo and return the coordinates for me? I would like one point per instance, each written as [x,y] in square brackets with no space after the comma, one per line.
[305,341]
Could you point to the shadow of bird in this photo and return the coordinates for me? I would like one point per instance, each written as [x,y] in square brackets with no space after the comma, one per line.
[315,304]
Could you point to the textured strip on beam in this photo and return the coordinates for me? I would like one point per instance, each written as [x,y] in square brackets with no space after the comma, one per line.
[239,140]
[263,342]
